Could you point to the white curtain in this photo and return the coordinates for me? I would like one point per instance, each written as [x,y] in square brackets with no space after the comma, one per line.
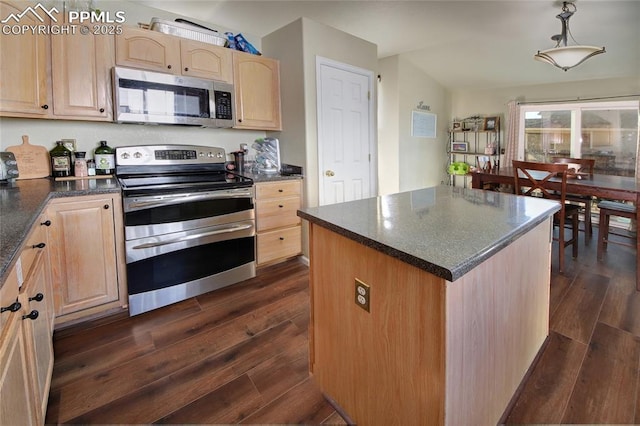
[511,133]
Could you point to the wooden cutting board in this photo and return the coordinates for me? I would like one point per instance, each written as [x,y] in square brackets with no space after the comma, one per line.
[33,160]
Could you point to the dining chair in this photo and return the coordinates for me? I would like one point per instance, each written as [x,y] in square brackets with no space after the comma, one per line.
[533,179]
[580,165]
[613,208]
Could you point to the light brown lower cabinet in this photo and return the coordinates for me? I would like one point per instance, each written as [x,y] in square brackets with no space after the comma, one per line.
[279,233]
[88,260]
[26,346]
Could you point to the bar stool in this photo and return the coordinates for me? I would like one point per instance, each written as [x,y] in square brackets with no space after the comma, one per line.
[608,209]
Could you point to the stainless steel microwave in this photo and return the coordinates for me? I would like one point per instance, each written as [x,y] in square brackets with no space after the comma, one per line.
[150,97]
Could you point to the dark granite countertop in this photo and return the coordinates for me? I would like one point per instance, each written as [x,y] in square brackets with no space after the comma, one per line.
[22,201]
[269,177]
[444,230]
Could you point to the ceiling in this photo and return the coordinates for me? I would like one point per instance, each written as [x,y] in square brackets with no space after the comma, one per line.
[461,44]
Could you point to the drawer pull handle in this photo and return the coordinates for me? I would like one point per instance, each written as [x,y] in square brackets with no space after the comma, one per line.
[39,245]
[46,223]
[14,307]
[31,315]
[38,297]
[280,190]
[281,238]
[280,205]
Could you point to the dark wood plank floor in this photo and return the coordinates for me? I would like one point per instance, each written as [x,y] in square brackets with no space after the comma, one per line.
[239,355]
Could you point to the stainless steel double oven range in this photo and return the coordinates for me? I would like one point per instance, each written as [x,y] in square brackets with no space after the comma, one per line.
[189,224]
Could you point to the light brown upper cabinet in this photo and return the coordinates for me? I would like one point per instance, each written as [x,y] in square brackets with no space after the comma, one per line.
[150,50]
[62,76]
[206,61]
[155,51]
[257,90]
[80,71]
[24,58]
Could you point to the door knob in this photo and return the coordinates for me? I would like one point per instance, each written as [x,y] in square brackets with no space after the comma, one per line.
[329,173]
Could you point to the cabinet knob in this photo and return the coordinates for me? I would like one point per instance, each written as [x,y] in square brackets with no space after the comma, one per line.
[46,223]
[39,245]
[101,110]
[281,238]
[14,307]
[281,206]
[169,66]
[186,69]
[45,106]
[106,206]
[38,297]
[280,190]
[31,315]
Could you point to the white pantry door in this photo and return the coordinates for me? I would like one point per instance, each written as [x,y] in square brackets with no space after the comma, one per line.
[346,152]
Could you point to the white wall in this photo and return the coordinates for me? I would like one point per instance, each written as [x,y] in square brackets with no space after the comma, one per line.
[88,135]
[408,162]
[297,45]
[388,126]
[422,160]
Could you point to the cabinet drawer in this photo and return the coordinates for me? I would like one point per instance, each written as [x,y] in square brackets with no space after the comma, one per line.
[8,295]
[279,244]
[277,189]
[31,247]
[277,213]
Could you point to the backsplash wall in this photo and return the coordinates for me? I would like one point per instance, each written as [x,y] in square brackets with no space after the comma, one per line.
[89,134]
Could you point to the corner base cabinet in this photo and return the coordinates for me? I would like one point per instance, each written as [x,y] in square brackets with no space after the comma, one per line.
[87,263]
[26,348]
[279,230]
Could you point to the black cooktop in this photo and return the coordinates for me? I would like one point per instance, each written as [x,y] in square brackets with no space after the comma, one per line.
[183,182]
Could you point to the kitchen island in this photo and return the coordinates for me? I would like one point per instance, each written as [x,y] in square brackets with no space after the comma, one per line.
[454,307]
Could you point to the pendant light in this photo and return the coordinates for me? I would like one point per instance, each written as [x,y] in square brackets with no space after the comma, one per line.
[564,56]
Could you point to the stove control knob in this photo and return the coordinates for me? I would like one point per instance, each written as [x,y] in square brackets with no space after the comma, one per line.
[219,155]
[137,155]
[125,155]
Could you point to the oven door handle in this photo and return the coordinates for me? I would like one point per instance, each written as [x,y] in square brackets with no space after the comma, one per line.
[176,199]
[234,228]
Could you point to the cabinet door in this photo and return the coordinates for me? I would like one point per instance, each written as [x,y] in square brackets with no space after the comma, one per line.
[151,50]
[206,61]
[24,90]
[37,329]
[80,72]
[17,404]
[257,90]
[83,253]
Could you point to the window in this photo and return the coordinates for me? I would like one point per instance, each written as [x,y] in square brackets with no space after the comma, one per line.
[605,131]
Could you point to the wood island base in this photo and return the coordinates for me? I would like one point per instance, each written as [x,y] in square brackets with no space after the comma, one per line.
[430,351]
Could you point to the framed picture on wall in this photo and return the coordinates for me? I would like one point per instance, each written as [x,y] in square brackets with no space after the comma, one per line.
[459,146]
[490,123]
[456,125]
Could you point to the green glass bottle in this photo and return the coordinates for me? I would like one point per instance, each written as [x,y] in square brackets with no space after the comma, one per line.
[60,160]
[104,156]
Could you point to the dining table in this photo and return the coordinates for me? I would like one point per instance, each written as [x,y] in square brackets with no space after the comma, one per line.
[603,186]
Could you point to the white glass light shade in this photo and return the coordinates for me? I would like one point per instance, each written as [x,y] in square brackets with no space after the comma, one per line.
[568,56]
